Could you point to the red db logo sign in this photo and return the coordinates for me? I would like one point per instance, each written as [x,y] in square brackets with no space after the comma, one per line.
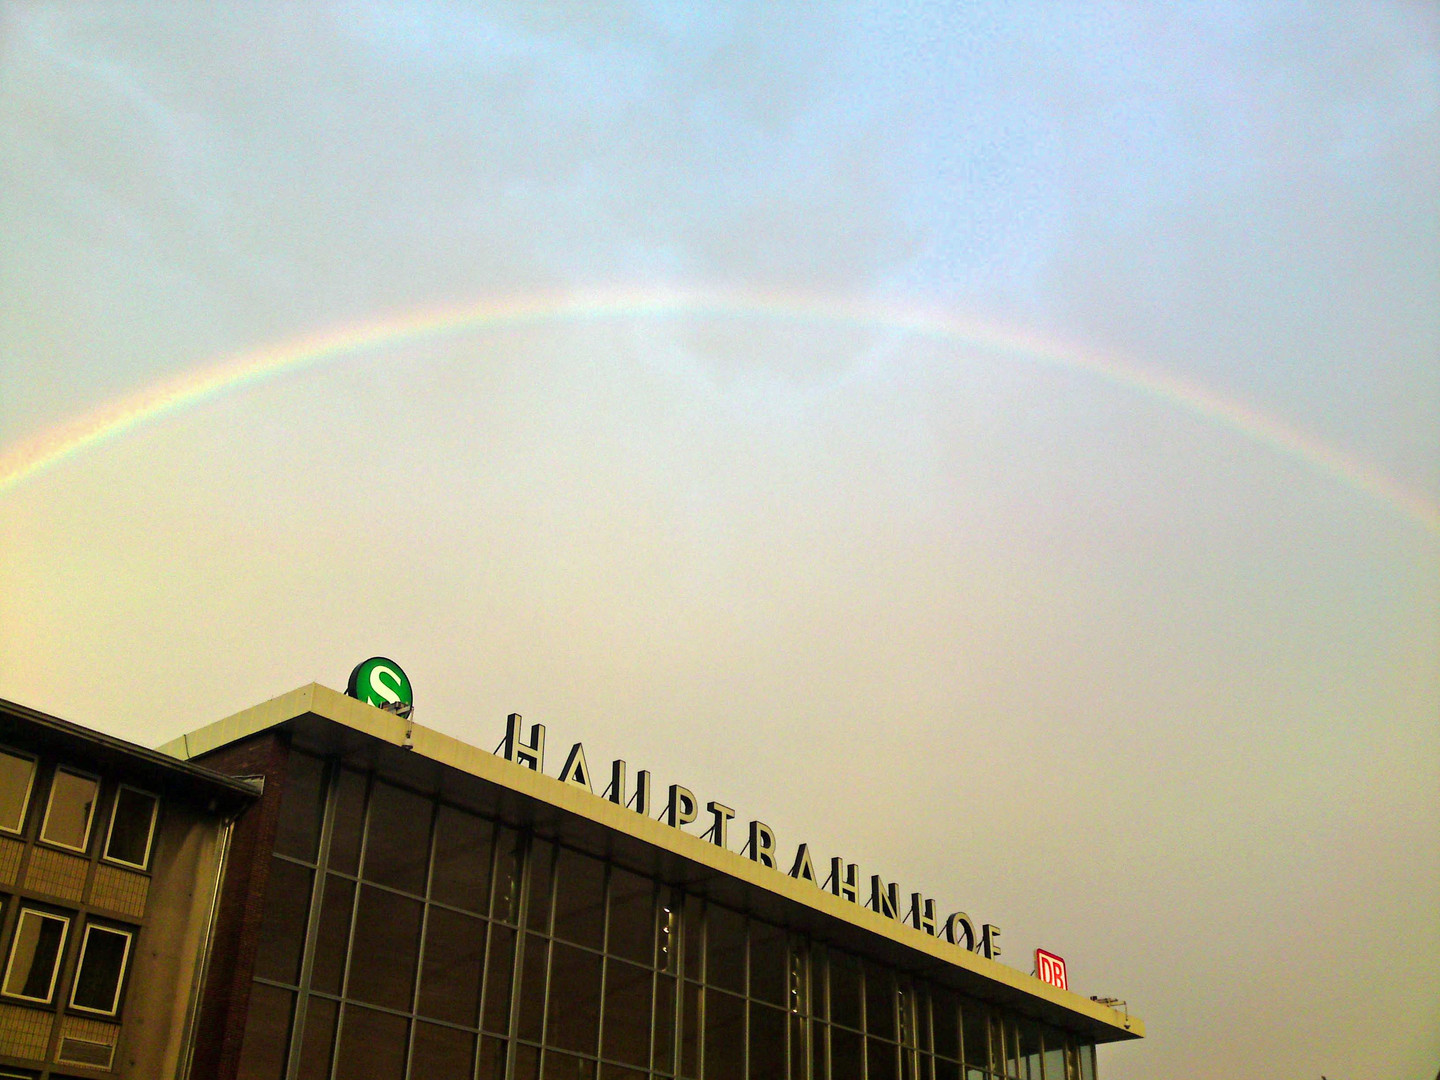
[1051,969]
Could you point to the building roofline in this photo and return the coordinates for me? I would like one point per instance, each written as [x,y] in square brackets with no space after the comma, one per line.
[316,701]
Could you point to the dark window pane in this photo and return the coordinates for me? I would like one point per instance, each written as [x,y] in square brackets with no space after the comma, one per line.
[725,949]
[527,1063]
[819,1051]
[632,916]
[574,1022]
[332,936]
[619,1072]
[499,972]
[450,981]
[944,1011]
[844,989]
[301,805]
[505,905]
[879,1002]
[131,826]
[977,1051]
[492,1058]
[946,1070]
[694,925]
[462,860]
[690,1032]
[102,969]
[846,1049]
[819,993]
[319,1042]
[34,954]
[580,899]
[71,810]
[1029,1036]
[441,1053]
[724,1036]
[397,842]
[372,1045]
[531,994]
[387,946]
[881,1060]
[267,1033]
[664,1023]
[349,822]
[542,868]
[769,963]
[565,1067]
[799,1047]
[282,929]
[767,1042]
[17,776]
[667,937]
[627,1013]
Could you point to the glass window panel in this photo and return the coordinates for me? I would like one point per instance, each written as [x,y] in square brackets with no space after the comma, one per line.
[946,1070]
[372,1045]
[17,780]
[844,989]
[499,972]
[847,1053]
[564,1067]
[1029,1036]
[505,905]
[690,1032]
[580,899]
[632,916]
[492,1058]
[799,1046]
[532,987]
[725,949]
[397,841]
[267,1033]
[1002,1035]
[574,999]
[462,860]
[35,955]
[879,1002]
[1055,1062]
[302,804]
[103,956]
[387,946]
[454,955]
[318,1043]
[71,810]
[724,1036]
[693,922]
[881,1060]
[799,1000]
[819,998]
[664,1023]
[349,822]
[819,1051]
[527,1063]
[945,1014]
[609,1071]
[974,1022]
[767,1042]
[132,823]
[1087,1063]
[975,1074]
[769,963]
[282,927]
[542,869]
[667,937]
[627,1013]
[441,1053]
[332,935]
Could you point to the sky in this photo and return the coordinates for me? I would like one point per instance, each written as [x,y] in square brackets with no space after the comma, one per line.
[993,443]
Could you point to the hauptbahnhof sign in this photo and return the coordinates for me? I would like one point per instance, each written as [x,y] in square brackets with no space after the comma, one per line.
[682,807]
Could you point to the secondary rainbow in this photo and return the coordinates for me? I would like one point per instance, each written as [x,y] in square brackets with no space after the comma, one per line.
[31,457]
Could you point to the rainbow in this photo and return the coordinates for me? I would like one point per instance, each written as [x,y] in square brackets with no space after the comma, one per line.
[31,457]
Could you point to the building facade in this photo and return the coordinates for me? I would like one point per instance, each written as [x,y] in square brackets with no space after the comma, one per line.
[110,860]
[403,906]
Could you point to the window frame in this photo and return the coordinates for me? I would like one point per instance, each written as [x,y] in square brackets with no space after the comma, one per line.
[84,847]
[129,936]
[105,855]
[34,760]
[59,955]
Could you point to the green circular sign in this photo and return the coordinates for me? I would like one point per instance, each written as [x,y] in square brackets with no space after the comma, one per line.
[380,682]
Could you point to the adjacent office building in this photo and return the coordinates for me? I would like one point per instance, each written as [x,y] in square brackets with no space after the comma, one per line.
[402,906]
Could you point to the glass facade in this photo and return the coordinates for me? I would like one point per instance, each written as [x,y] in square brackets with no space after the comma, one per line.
[404,938]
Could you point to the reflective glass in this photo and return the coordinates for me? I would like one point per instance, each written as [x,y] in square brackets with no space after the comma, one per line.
[973,1019]
[847,1051]
[664,1023]
[492,1058]
[349,822]
[574,1022]
[397,840]
[610,1071]
[564,1067]
[35,954]
[462,860]
[632,916]
[844,989]
[505,904]
[542,870]
[1029,1038]
[132,823]
[946,1070]
[627,1013]
[769,963]
[531,994]
[499,972]
[301,806]
[384,956]
[17,778]
[690,1031]
[441,1053]
[819,1051]
[767,1042]
[332,936]
[1054,1056]
[319,1040]
[450,978]
[945,1017]
[799,1046]
[1087,1062]
[102,970]
[282,926]
[70,811]
[693,927]
[267,1033]
[579,898]
[725,949]
[372,1045]
[527,1063]
[879,1002]
[724,1036]
[881,1060]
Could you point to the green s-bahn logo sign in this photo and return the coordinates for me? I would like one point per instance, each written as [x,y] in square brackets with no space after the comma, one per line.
[380,682]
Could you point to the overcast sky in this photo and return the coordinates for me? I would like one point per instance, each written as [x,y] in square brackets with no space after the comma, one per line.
[1148,686]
